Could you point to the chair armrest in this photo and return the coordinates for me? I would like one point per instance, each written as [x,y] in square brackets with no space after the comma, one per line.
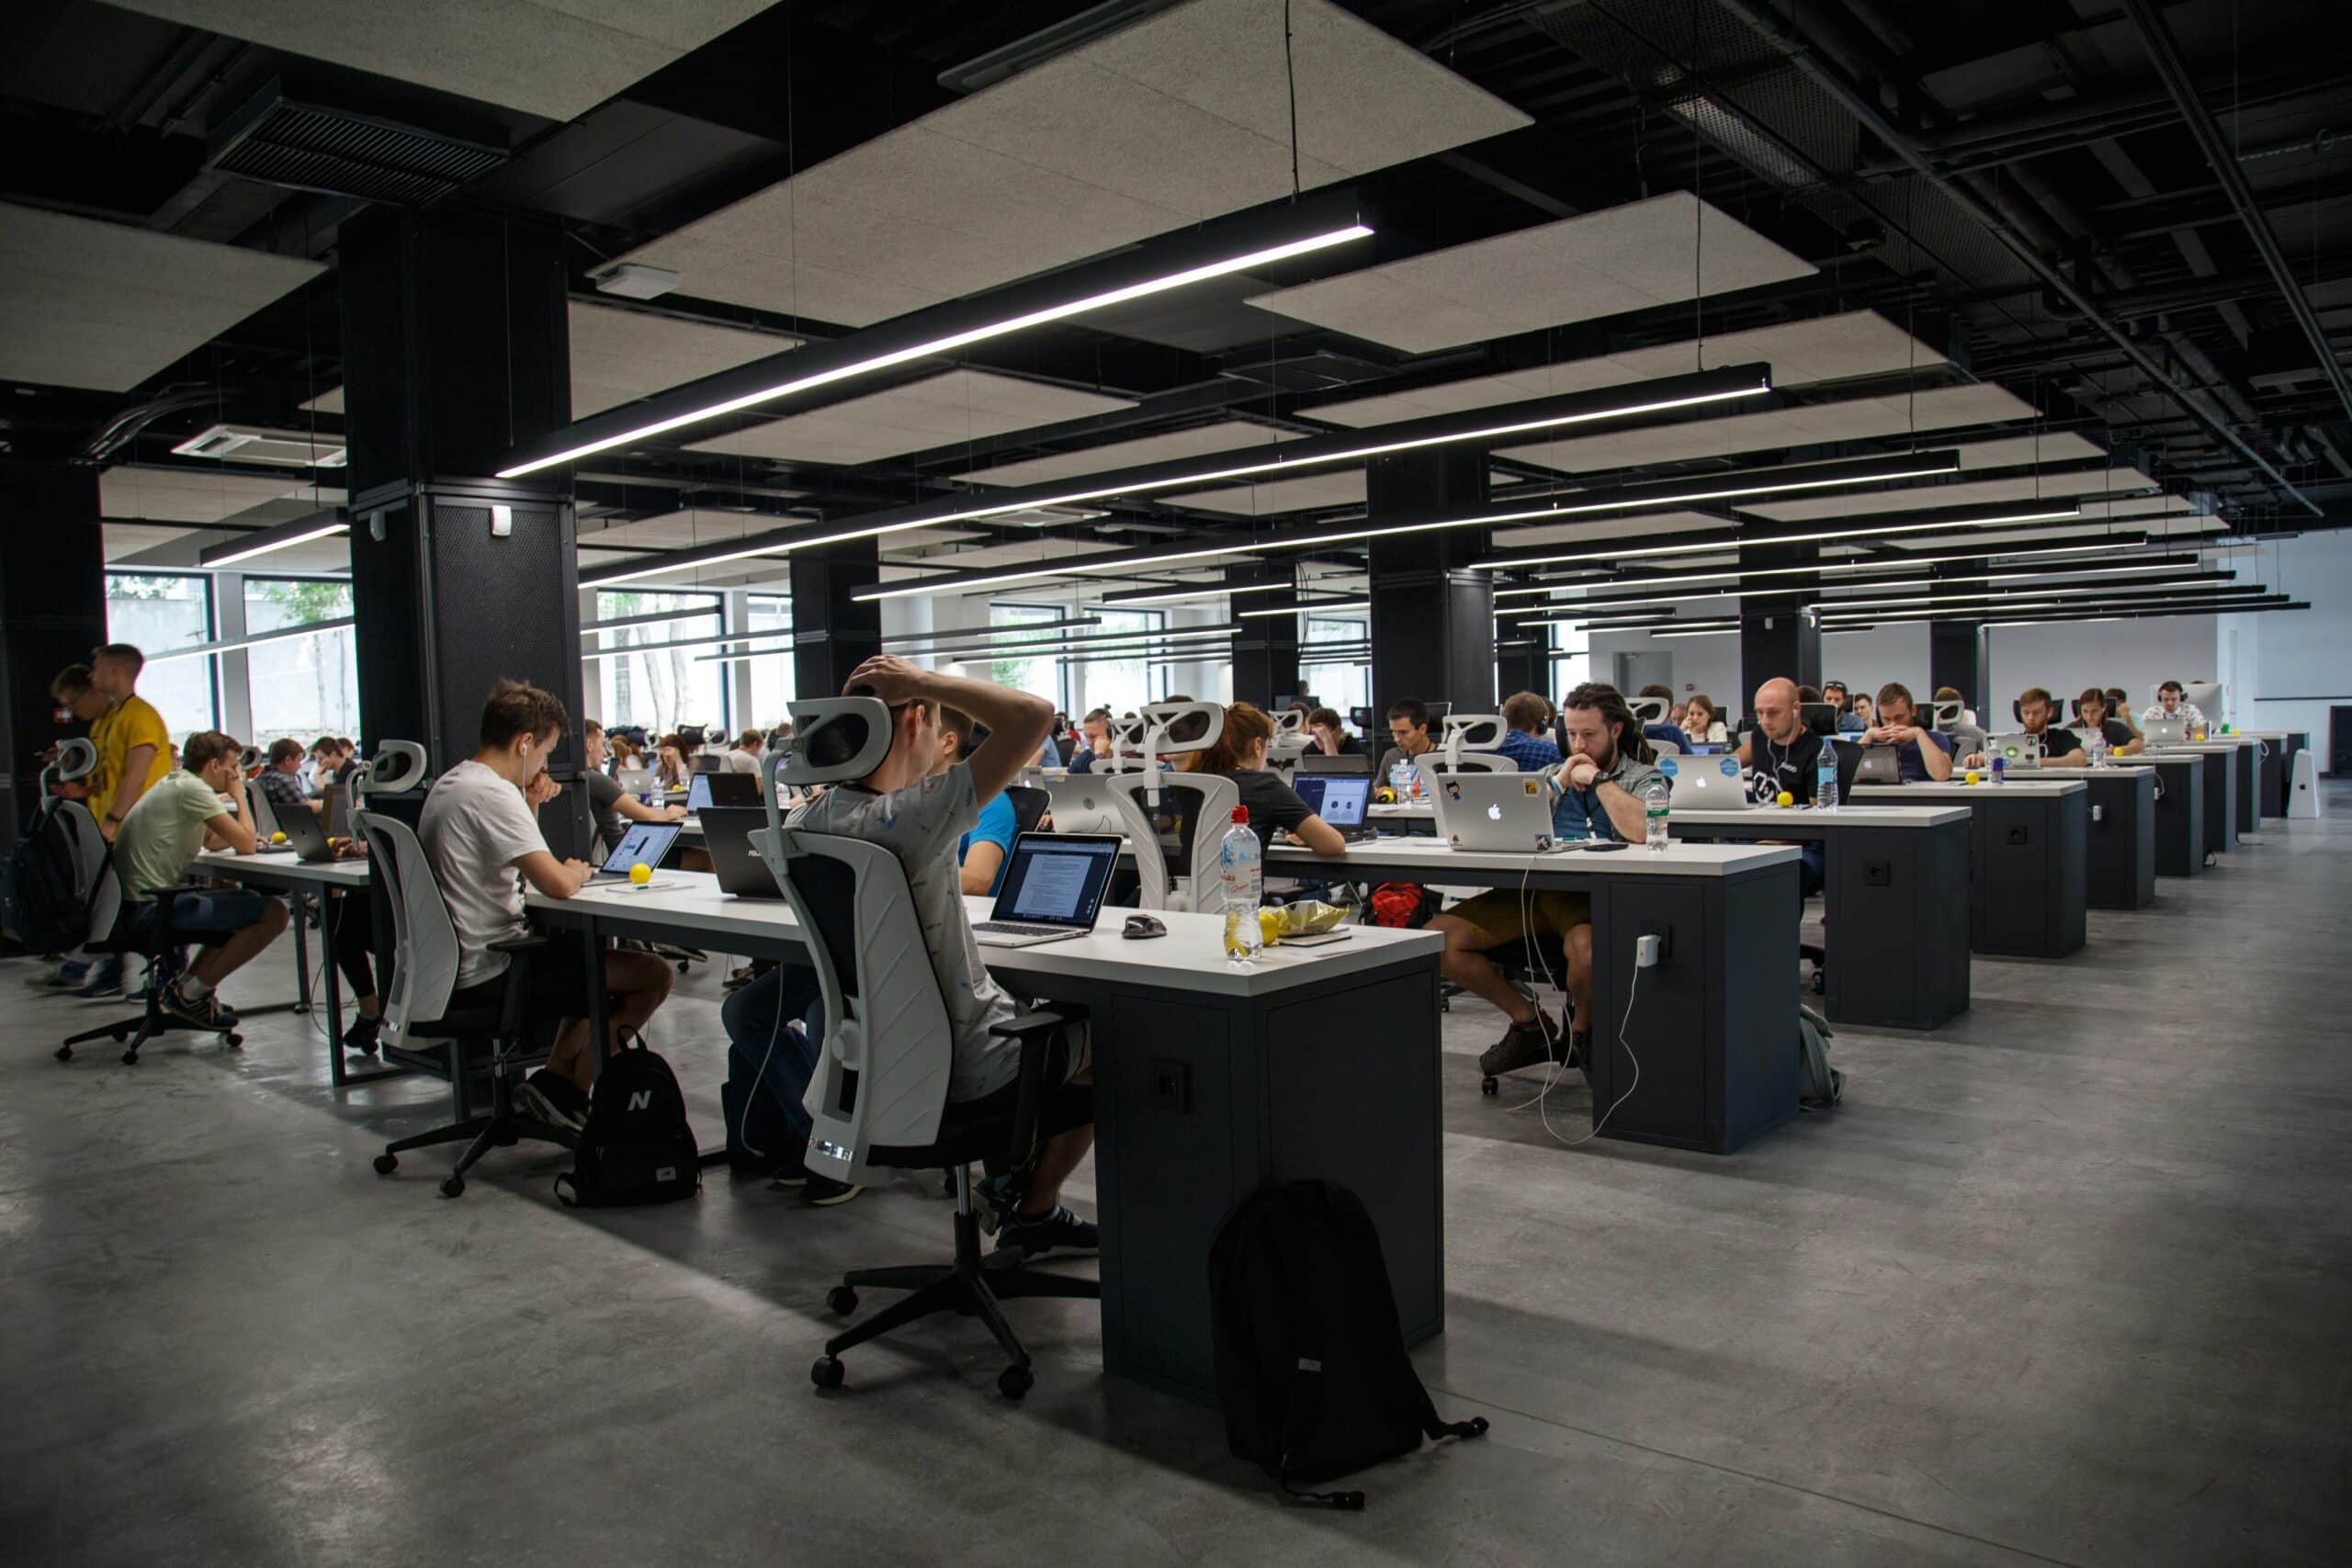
[510,1004]
[1035,1029]
[519,945]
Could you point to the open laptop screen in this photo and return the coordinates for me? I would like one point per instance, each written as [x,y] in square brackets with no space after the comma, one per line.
[1337,798]
[699,793]
[646,842]
[1057,879]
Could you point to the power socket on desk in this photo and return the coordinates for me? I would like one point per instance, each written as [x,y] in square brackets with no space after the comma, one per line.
[1171,1085]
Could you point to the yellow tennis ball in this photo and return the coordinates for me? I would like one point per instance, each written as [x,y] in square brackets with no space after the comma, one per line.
[1972,775]
[277,838]
[640,873]
[1784,798]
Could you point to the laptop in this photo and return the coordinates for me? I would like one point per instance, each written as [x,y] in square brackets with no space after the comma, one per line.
[1345,762]
[306,836]
[337,816]
[1503,813]
[2164,731]
[645,841]
[1052,889]
[1880,765]
[2017,750]
[636,781]
[1709,748]
[1705,784]
[1084,805]
[1339,799]
[706,790]
[727,833]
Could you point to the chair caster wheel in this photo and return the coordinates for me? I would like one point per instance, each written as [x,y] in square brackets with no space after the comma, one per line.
[1490,1087]
[682,966]
[130,1058]
[453,1186]
[827,1372]
[841,1300]
[387,1164]
[121,1034]
[1016,1382]
[234,1040]
[66,1052]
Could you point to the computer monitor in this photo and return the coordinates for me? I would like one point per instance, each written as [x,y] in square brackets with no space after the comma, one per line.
[1362,718]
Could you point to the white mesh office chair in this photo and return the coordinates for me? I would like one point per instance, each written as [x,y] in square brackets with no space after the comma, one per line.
[422,1030]
[76,759]
[879,1098]
[1471,746]
[1174,841]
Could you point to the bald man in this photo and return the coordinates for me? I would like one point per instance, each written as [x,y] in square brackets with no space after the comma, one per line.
[1783,756]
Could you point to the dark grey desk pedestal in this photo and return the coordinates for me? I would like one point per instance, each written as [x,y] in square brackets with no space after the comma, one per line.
[2180,814]
[2221,801]
[1895,933]
[2119,865]
[2026,860]
[2248,819]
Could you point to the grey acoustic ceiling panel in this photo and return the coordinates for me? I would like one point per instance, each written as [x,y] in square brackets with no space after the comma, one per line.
[177,495]
[1234,436]
[2027,451]
[1807,425]
[618,357]
[1181,117]
[960,405]
[556,58]
[1341,486]
[2062,488]
[1666,249]
[1609,531]
[685,530]
[1829,348]
[126,540]
[105,306]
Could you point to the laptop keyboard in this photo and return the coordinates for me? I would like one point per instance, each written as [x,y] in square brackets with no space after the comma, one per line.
[1018,928]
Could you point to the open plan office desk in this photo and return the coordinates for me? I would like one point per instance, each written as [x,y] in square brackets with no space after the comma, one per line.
[1895,931]
[2274,767]
[1210,1080]
[2180,809]
[2119,840]
[2027,859]
[281,871]
[2228,774]
[1714,1023]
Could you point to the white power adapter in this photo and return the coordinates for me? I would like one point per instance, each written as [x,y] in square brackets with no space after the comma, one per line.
[1647,950]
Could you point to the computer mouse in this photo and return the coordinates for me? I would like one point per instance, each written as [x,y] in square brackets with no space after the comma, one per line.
[1139,926]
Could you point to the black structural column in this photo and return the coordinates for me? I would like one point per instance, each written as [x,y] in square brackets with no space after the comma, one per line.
[833,633]
[1524,663]
[455,342]
[1432,618]
[1779,637]
[52,612]
[1265,654]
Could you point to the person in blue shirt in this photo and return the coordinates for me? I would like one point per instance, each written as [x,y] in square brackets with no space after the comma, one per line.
[982,852]
[1849,721]
[1524,717]
[1921,755]
[1668,732]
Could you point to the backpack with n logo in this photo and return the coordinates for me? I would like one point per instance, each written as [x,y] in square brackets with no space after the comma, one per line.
[636,1147]
[1819,1085]
[1311,1367]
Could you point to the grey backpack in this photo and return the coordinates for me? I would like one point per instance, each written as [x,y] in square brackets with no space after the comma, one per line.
[1819,1085]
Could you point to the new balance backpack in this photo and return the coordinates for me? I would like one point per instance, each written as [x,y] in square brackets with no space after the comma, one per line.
[1819,1085]
[1310,1360]
[637,1146]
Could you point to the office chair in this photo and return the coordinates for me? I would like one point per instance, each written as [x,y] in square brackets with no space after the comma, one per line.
[1029,806]
[85,845]
[1647,711]
[111,932]
[878,1099]
[1138,789]
[420,1029]
[1469,745]
[1354,762]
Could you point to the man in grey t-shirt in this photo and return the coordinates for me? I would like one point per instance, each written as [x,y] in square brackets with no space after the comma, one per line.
[920,816]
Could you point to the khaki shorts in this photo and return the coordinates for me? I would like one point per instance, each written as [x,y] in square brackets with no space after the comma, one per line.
[1503,916]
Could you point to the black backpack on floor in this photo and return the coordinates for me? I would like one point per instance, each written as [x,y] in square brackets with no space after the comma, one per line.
[1311,1367]
[636,1147]
[39,907]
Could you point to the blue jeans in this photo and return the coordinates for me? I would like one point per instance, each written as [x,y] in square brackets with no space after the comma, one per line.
[756,1015]
[210,919]
[1809,873]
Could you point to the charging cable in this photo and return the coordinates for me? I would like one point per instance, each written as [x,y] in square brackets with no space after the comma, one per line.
[1646,953]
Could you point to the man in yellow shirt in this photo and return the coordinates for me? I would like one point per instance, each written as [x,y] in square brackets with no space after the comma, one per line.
[134,747]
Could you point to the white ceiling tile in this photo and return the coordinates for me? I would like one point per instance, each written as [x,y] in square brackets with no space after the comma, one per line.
[1226,435]
[1853,419]
[182,496]
[618,357]
[1829,348]
[1181,116]
[1342,487]
[105,306]
[1609,531]
[126,540]
[961,405]
[556,58]
[1966,492]
[2029,451]
[685,530]
[1579,269]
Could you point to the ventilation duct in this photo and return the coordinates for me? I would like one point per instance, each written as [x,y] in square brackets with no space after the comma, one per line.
[279,142]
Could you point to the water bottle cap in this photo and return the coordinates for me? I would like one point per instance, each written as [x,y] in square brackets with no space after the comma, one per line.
[1241,814]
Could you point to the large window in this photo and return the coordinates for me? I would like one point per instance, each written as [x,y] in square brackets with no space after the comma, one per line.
[1571,660]
[1122,685]
[157,615]
[772,686]
[661,688]
[300,686]
[1341,686]
[1040,674]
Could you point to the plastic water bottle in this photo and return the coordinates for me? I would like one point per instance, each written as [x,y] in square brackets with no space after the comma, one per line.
[1401,779]
[1825,779]
[1654,794]
[1241,873]
[2000,764]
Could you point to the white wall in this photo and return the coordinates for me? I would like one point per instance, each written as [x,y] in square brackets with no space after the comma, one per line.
[1864,660]
[2300,654]
[2065,658]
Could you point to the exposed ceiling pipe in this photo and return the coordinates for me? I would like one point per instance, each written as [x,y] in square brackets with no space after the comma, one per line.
[1799,52]
[2158,40]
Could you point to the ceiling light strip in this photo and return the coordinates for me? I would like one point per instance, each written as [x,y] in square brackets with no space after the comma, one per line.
[2153,564]
[266,541]
[1715,539]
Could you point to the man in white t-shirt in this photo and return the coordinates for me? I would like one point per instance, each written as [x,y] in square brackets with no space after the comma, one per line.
[750,748]
[481,830]
[922,815]
[2172,702]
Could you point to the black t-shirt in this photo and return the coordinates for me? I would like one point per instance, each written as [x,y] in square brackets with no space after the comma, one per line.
[2057,742]
[602,792]
[1774,767]
[1272,803]
[2118,733]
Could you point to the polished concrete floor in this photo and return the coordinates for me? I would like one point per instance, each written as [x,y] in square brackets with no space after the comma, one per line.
[2069,1281]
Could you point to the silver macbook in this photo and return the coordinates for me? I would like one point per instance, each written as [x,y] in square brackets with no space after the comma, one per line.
[1052,889]
[2017,750]
[636,781]
[1083,804]
[2164,731]
[1705,784]
[1502,813]
[1880,765]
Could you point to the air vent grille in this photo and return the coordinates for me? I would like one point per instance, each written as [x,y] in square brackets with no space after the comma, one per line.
[283,143]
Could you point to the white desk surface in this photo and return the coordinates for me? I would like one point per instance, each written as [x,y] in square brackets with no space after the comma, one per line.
[1436,857]
[1763,817]
[281,868]
[1956,790]
[1191,957]
[2200,748]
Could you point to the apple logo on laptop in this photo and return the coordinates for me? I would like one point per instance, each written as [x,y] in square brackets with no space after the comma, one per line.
[1494,811]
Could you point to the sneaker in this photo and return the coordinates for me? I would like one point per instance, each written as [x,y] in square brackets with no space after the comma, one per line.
[105,980]
[1524,1044]
[360,1038]
[1058,1233]
[203,1012]
[553,1098]
[63,977]
[1580,1049]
